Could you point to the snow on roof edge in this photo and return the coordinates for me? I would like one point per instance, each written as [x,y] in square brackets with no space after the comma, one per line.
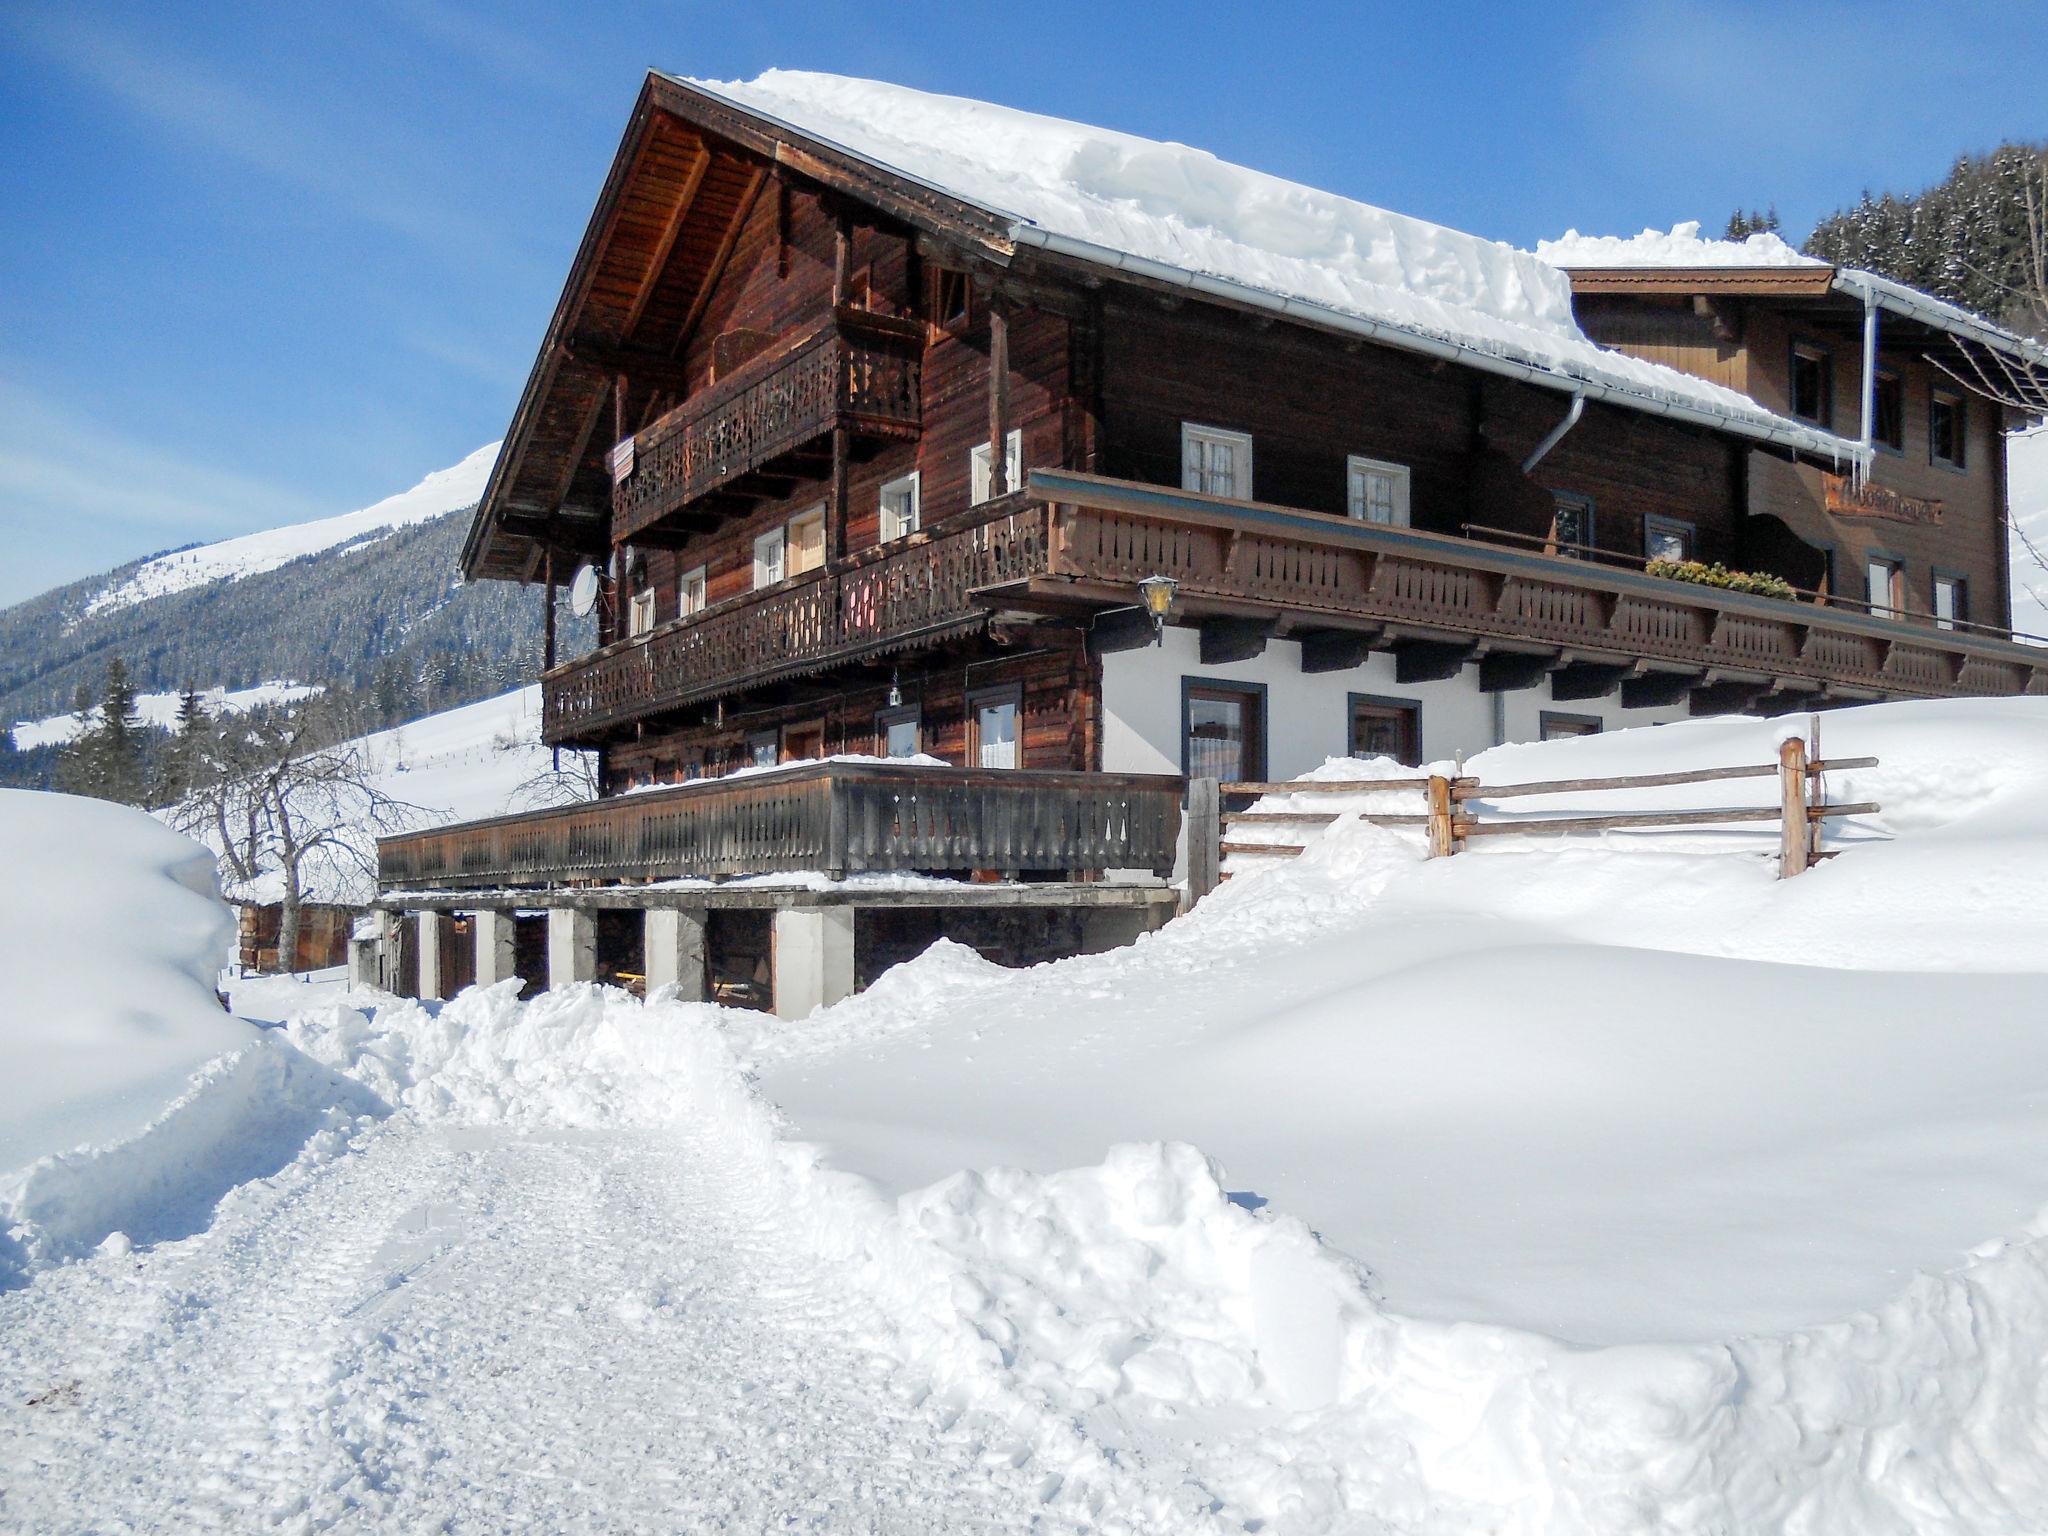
[1687,398]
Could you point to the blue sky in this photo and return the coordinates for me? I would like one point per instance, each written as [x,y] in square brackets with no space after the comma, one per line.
[267,262]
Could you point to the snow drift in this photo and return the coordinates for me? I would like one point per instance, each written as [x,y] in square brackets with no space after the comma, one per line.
[1602,1184]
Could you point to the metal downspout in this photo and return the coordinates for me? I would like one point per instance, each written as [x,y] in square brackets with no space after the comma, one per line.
[1556,433]
[1862,474]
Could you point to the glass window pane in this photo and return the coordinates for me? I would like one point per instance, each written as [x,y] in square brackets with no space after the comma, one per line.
[1216,737]
[900,738]
[996,735]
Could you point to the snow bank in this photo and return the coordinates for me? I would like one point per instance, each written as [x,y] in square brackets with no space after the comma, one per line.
[1127,197]
[1682,247]
[111,929]
[443,491]
[110,933]
[161,710]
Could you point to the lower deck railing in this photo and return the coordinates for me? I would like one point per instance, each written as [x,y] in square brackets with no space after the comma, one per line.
[835,818]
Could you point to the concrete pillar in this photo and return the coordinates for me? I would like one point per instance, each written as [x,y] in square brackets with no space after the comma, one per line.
[813,959]
[673,951]
[432,931]
[572,946]
[370,959]
[494,950]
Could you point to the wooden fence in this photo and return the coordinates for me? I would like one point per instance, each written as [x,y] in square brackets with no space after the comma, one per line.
[1452,816]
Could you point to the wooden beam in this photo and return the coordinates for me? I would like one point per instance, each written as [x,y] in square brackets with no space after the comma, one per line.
[1726,697]
[685,200]
[1587,680]
[998,396]
[1654,689]
[716,270]
[1335,650]
[1506,671]
[1228,640]
[1430,661]
[1120,629]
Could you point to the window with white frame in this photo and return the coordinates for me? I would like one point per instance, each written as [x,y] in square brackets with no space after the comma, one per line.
[1013,466]
[805,549]
[1667,538]
[640,615]
[1376,492]
[1215,461]
[692,592]
[900,508]
[768,553]
[1882,582]
[1951,602]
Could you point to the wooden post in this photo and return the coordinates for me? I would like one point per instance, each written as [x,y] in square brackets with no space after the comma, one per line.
[1795,840]
[1205,837]
[998,396]
[842,261]
[547,619]
[1442,842]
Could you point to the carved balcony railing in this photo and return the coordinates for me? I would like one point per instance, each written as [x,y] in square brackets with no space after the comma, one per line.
[838,818]
[853,368]
[890,597]
[1596,628]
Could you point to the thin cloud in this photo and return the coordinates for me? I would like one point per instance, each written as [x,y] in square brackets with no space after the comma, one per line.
[230,122]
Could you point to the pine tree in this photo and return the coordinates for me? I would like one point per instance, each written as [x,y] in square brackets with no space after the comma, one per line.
[187,756]
[1742,225]
[124,769]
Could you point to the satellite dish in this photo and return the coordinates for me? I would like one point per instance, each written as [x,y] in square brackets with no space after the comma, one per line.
[583,592]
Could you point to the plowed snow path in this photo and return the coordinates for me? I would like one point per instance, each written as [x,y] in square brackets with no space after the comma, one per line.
[470,1330]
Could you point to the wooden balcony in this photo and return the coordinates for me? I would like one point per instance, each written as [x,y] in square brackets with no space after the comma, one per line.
[853,369]
[1246,569]
[891,597]
[839,818]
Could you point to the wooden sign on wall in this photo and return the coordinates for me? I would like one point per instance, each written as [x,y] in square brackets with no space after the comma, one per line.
[1845,499]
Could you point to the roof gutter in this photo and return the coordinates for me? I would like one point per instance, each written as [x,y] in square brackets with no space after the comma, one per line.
[1882,293]
[1782,435]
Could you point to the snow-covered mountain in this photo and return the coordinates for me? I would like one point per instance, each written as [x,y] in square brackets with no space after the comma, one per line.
[367,599]
[454,489]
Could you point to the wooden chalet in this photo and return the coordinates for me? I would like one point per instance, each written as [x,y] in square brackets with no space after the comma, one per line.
[888,420]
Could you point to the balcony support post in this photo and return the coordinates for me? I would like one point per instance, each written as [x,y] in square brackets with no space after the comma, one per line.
[495,955]
[674,945]
[813,959]
[998,395]
[572,946]
[432,928]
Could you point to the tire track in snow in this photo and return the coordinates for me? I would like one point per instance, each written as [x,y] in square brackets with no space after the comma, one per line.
[482,1330]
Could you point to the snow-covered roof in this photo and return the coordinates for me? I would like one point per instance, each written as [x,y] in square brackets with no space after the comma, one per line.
[1682,249]
[1181,215]
[1681,246]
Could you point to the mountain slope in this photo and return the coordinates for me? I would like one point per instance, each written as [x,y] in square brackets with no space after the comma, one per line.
[371,599]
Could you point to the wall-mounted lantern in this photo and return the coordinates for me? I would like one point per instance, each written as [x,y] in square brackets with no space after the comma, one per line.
[1157,591]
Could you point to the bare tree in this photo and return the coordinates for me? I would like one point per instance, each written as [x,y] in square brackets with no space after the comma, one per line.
[291,792]
[571,782]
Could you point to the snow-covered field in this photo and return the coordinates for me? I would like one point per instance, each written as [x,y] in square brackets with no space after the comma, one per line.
[1602,1185]
[445,490]
[161,710]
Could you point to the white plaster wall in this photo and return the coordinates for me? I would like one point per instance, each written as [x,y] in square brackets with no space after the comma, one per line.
[1308,713]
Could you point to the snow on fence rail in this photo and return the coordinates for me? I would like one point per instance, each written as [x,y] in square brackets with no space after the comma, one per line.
[1802,810]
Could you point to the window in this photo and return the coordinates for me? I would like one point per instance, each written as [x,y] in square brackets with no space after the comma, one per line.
[1013,465]
[806,541]
[950,292]
[995,726]
[762,747]
[692,592]
[1951,601]
[1215,461]
[640,615]
[1666,538]
[768,552]
[1883,587]
[898,732]
[1571,529]
[1223,730]
[1553,726]
[1376,492]
[803,741]
[1386,728]
[1813,394]
[899,508]
[1946,424]
[1888,412]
